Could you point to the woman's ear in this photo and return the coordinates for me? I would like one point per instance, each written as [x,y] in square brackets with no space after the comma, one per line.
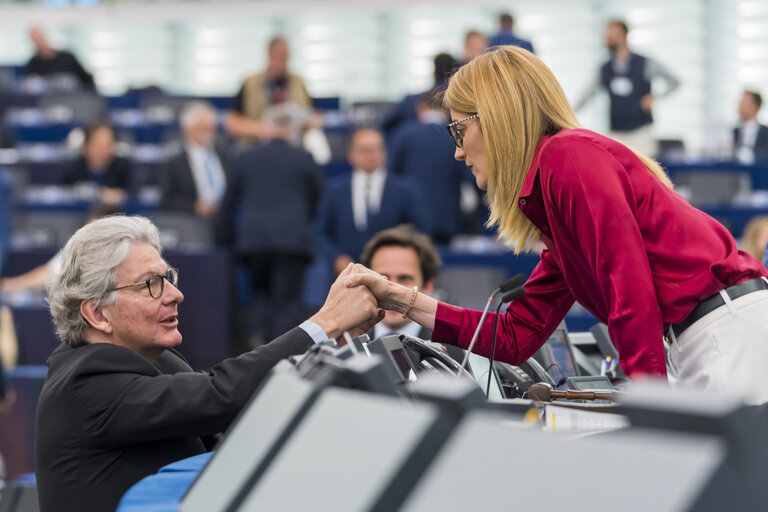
[96,317]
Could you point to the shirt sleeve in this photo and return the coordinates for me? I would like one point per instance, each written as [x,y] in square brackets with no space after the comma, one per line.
[653,69]
[591,208]
[315,332]
[524,327]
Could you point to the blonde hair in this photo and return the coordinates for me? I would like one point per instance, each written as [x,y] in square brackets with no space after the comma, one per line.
[752,240]
[518,100]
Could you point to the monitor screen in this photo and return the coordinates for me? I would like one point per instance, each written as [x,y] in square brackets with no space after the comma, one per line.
[401,359]
[557,353]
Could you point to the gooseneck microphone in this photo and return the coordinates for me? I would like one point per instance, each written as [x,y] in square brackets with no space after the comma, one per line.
[506,286]
[543,392]
[507,297]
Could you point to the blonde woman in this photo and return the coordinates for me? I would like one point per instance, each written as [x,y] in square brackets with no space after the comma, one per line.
[619,240]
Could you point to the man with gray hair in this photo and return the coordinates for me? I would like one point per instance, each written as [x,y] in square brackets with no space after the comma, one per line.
[195,179]
[119,401]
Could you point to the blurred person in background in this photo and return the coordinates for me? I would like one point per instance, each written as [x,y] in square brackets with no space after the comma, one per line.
[407,257]
[266,216]
[357,206]
[48,61]
[100,165]
[273,86]
[194,180]
[754,239]
[750,138]
[475,43]
[421,152]
[627,78]
[506,35]
[405,110]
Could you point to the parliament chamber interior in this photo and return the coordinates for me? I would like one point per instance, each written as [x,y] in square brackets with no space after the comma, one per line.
[366,323]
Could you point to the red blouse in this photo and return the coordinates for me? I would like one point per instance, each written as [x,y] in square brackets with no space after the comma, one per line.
[632,251]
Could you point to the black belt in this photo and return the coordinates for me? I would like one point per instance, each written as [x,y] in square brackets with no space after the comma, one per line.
[715,301]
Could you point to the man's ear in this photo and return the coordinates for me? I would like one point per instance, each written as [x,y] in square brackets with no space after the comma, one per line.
[96,317]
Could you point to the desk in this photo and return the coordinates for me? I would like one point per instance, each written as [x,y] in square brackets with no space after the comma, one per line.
[162,492]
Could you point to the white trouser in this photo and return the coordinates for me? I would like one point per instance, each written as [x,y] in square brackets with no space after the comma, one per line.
[726,351]
[640,139]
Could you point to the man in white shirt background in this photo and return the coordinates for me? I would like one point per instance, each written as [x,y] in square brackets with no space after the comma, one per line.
[750,138]
[195,179]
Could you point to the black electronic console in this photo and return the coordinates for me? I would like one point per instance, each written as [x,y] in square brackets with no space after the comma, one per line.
[589,383]
[429,357]
[516,380]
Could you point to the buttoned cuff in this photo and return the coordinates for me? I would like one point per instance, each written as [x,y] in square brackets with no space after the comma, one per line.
[315,332]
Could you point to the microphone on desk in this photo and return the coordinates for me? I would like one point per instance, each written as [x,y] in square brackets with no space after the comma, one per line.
[543,392]
[506,286]
[507,297]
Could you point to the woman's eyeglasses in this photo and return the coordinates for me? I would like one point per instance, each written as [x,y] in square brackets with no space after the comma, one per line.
[456,134]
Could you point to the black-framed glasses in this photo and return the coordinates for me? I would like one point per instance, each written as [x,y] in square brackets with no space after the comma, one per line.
[156,283]
[453,130]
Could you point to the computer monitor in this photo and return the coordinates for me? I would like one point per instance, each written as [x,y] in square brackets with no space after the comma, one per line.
[348,454]
[556,355]
[260,429]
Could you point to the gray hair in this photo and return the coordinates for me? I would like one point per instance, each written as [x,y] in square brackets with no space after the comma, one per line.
[193,110]
[87,272]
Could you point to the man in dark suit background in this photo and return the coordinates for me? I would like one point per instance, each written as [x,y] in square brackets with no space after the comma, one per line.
[409,258]
[750,138]
[267,215]
[422,151]
[48,61]
[119,401]
[194,180]
[369,200]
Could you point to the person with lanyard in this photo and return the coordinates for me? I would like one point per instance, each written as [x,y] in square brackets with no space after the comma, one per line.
[619,240]
[628,78]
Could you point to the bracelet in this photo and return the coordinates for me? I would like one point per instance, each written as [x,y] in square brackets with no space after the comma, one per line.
[415,290]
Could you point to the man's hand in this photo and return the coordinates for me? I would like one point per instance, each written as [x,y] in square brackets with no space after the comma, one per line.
[204,210]
[341,263]
[351,309]
[647,102]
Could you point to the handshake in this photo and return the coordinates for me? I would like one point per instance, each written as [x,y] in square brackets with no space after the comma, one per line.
[359,298]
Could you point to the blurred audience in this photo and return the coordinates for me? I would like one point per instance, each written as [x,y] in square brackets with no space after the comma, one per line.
[750,138]
[755,237]
[48,61]
[99,165]
[273,86]
[627,78]
[6,215]
[405,110]
[37,278]
[422,151]
[475,43]
[506,36]
[267,216]
[357,206]
[409,258]
[194,181]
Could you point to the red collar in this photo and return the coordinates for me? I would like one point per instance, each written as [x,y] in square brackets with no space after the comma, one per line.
[533,170]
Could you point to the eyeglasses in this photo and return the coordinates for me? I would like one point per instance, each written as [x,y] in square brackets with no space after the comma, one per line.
[156,283]
[455,133]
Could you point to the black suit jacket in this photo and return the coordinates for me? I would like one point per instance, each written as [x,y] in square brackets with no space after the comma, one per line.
[761,142]
[271,201]
[107,417]
[177,182]
[119,174]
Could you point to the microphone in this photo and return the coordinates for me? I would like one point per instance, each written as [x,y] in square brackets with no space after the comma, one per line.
[543,392]
[507,297]
[509,284]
